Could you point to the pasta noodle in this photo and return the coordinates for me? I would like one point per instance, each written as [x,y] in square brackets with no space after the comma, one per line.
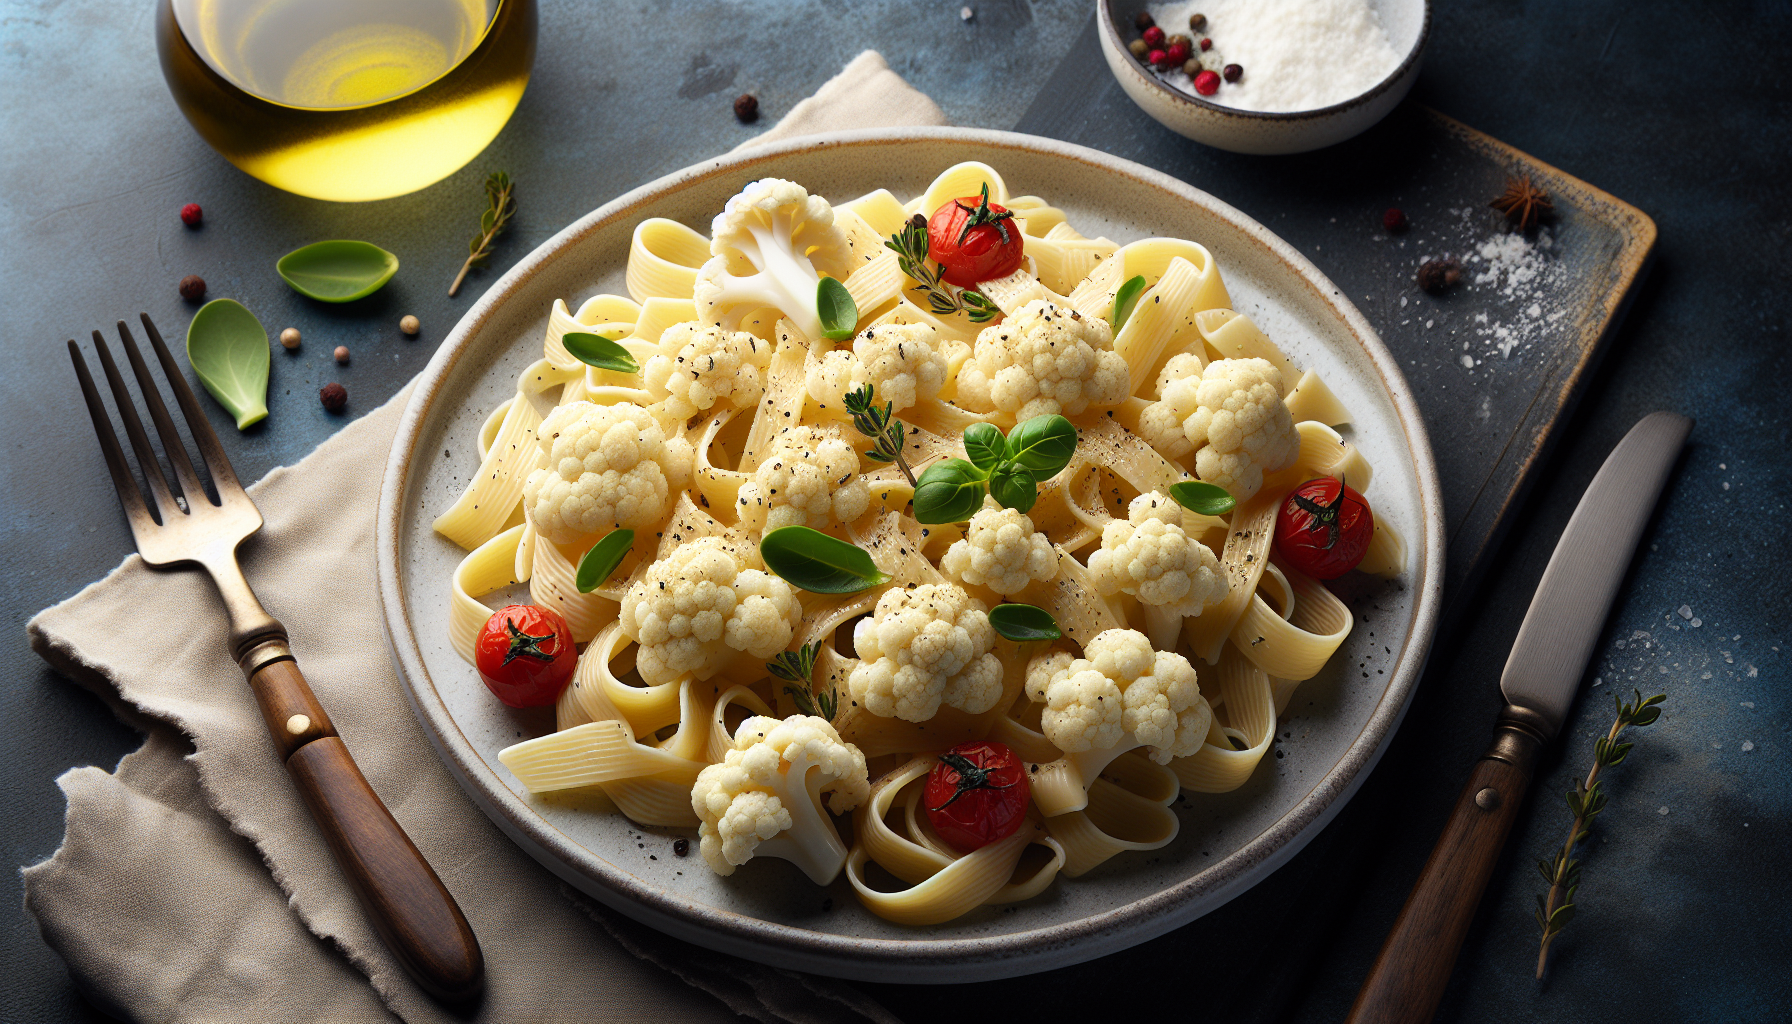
[646,725]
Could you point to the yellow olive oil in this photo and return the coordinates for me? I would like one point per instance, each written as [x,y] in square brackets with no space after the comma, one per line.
[347,100]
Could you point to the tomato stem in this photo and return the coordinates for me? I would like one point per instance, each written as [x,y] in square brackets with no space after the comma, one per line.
[522,645]
[970,776]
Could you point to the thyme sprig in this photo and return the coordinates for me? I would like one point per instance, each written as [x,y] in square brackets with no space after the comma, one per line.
[877,424]
[500,198]
[910,246]
[1586,800]
[797,667]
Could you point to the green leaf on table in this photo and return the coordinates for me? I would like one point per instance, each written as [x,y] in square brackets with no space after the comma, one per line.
[228,348]
[337,271]
[814,561]
[599,351]
[1024,622]
[1207,499]
[1014,487]
[949,492]
[1125,299]
[839,313]
[1042,445]
[985,446]
[602,559]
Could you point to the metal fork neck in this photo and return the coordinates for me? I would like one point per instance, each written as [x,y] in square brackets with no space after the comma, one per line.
[250,624]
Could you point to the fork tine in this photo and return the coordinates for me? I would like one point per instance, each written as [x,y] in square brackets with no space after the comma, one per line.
[128,494]
[175,448]
[216,462]
[147,462]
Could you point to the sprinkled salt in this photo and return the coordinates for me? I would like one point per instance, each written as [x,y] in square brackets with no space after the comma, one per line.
[1663,810]
[1296,54]
[1685,611]
[1748,745]
[1749,704]
[1696,623]
[1468,361]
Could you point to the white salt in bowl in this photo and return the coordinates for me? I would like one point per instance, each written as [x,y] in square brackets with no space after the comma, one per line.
[1407,23]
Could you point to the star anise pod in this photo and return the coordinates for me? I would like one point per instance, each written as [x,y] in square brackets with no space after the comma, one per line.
[1524,204]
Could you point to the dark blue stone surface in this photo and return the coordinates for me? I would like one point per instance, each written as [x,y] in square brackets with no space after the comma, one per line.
[1678,109]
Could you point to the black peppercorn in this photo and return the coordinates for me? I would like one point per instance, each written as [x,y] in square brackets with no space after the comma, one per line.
[1191,67]
[1394,220]
[1143,20]
[1197,22]
[192,287]
[746,108]
[1138,48]
[1232,73]
[333,396]
[1436,276]
[681,848]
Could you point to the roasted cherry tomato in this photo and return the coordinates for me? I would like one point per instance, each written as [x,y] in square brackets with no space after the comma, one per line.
[976,795]
[973,240]
[525,655]
[1324,528]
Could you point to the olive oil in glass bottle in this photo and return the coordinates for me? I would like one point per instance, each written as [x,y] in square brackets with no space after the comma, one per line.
[347,99]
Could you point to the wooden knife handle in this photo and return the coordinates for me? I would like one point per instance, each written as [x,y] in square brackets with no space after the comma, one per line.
[407,904]
[1415,962]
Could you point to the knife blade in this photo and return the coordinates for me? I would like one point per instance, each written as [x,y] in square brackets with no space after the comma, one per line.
[1549,657]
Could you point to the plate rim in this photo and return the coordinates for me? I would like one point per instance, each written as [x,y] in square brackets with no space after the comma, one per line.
[957,959]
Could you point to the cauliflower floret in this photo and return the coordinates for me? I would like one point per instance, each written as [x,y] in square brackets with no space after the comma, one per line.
[697,606]
[1156,561]
[1121,694]
[811,478]
[1161,422]
[770,246]
[1044,359]
[901,362]
[608,467]
[764,797]
[1001,551]
[1232,416]
[699,365]
[924,647]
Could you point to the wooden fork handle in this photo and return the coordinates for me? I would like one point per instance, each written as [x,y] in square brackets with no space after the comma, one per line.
[1415,963]
[407,904]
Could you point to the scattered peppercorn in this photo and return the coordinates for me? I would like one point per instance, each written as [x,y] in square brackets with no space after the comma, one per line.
[1138,48]
[1191,67]
[290,337]
[1436,276]
[1143,20]
[1157,58]
[1179,38]
[681,848]
[342,354]
[1197,21]
[1394,220]
[333,396]
[1206,44]
[1233,72]
[1207,83]
[746,108]
[409,325]
[1154,37]
[1177,53]
[191,215]
[192,287]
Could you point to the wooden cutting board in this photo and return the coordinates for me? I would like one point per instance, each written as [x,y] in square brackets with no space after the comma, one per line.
[1497,362]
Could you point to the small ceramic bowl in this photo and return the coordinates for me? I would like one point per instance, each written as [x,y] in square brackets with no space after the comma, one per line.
[1408,25]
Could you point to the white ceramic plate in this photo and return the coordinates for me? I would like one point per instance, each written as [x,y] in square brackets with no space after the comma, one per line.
[1338,722]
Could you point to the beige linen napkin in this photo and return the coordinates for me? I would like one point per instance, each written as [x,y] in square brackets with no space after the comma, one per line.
[192,884]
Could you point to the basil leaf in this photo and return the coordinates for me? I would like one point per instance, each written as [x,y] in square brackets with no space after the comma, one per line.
[948,492]
[337,271]
[599,351]
[228,348]
[1042,445]
[1024,622]
[1014,487]
[602,559]
[813,561]
[1125,299]
[984,444]
[1206,499]
[839,313]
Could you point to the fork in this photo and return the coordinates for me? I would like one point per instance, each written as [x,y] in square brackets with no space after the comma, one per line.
[180,525]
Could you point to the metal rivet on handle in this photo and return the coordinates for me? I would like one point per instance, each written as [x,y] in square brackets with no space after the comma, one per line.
[1488,799]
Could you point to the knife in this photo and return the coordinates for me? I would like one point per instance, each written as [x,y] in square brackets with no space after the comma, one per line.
[1548,659]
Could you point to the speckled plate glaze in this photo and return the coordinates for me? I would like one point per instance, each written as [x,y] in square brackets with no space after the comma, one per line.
[1337,725]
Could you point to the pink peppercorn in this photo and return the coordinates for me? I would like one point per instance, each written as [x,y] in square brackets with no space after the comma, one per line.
[1177,53]
[1207,83]
[1158,58]
[191,215]
[1154,37]
[1206,44]
[1394,220]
